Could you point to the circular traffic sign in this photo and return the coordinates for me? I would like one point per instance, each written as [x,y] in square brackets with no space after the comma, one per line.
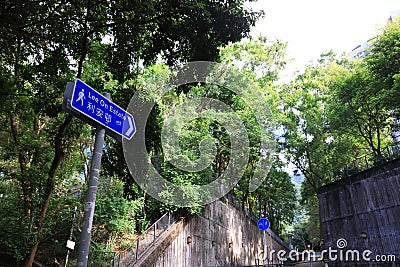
[263,224]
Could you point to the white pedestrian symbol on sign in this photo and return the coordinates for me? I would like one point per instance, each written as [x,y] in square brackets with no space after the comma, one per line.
[100,110]
[81,96]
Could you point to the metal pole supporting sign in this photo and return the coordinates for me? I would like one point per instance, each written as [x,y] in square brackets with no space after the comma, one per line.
[83,252]
[85,103]
[84,242]
[263,224]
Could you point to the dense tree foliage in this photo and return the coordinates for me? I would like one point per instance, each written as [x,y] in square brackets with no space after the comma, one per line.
[260,61]
[337,116]
[263,60]
[44,45]
[336,112]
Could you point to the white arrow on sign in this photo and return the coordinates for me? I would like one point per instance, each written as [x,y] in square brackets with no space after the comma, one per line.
[130,129]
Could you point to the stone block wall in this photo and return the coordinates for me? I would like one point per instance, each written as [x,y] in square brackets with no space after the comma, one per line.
[221,236]
[364,209]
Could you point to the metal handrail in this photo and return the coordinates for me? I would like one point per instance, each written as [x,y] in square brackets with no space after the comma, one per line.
[362,163]
[144,241]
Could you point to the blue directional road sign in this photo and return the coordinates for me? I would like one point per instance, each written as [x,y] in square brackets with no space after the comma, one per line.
[263,224]
[97,107]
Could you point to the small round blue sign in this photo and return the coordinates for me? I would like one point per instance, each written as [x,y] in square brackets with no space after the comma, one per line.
[263,224]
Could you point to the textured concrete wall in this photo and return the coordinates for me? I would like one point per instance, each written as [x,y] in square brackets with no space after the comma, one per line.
[237,240]
[367,202]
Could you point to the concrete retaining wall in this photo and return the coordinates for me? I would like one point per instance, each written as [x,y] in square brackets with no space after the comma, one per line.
[364,209]
[221,236]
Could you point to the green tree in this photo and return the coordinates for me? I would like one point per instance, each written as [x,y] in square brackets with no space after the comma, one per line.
[360,111]
[276,199]
[45,44]
[309,140]
[366,94]
[115,216]
[383,67]
[262,60]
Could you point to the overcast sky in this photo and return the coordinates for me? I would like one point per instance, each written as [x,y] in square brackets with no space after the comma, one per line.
[313,26]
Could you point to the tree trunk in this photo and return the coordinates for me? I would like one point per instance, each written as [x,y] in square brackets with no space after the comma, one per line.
[26,185]
[58,157]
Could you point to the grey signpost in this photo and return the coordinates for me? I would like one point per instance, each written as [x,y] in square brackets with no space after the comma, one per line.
[87,104]
[263,224]
[84,242]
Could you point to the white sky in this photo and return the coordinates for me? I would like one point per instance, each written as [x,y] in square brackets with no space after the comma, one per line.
[311,27]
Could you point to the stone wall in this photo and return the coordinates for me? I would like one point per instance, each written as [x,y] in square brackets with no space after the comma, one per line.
[221,236]
[364,209]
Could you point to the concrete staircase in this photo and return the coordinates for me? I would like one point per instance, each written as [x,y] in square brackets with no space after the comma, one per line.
[146,243]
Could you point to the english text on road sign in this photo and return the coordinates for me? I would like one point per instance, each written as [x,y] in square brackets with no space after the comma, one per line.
[263,224]
[97,107]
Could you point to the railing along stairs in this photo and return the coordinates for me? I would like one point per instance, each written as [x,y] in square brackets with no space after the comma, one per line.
[144,241]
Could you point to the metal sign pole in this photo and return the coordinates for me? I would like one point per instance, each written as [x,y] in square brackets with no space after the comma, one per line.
[70,238]
[87,104]
[84,242]
[265,249]
[263,224]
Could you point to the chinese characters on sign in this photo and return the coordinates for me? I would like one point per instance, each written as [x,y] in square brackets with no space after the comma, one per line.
[97,107]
